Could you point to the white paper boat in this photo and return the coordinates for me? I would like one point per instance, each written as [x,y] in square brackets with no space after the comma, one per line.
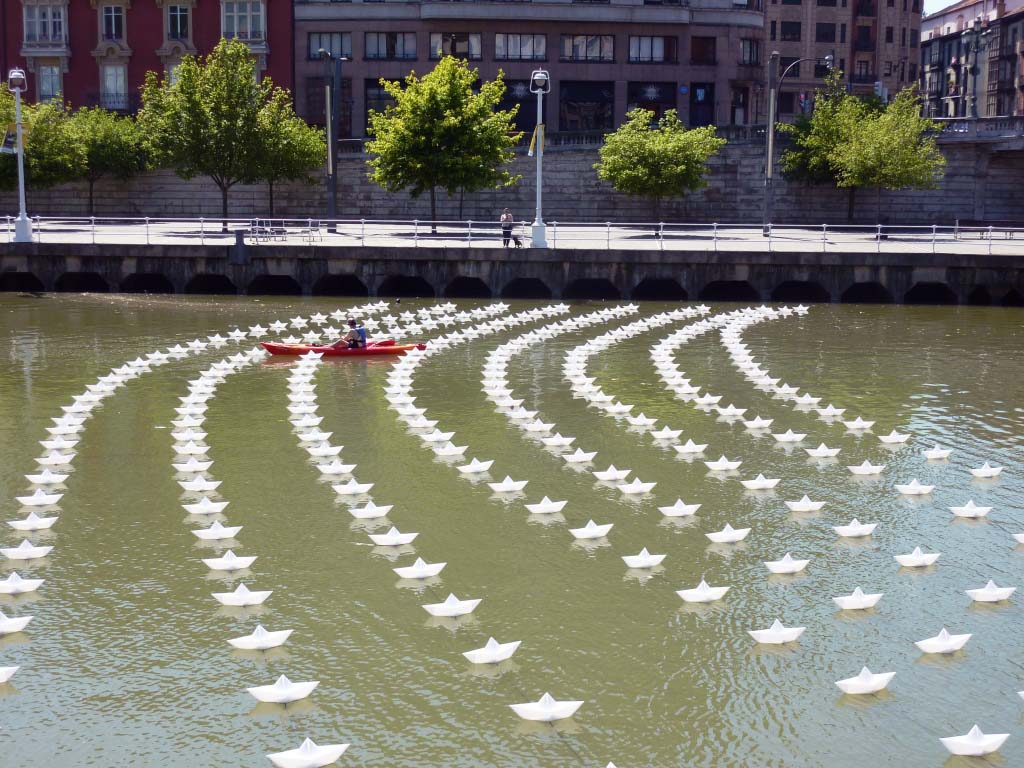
[493,652]
[936,453]
[641,421]
[8,626]
[217,532]
[722,464]
[558,441]
[475,467]
[702,593]
[192,465]
[943,642]
[728,535]
[991,593]
[665,433]
[393,538]
[261,639]
[283,691]
[449,449]
[857,600]
[421,569]
[867,468]
[636,487]
[309,755]
[39,499]
[538,427]
[305,422]
[15,585]
[579,456]
[314,436]
[188,435]
[612,474]
[760,483]
[371,511]
[758,423]
[25,551]
[731,411]
[508,485]
[191,449]
[858,424]
[546,507]
[690,447]
[986,470]
[914,488]
[917,558]
[854,529]
[547,709]
[894,437]
[788,564]
[6,673]
[806,399]
[32,523]
[830,411]
[707,399]
[47,477]
[865,682]
[229,562]
[452,606]
[437,436]
[352,488]
[591,530]
[822,452]
[199,485]
[323,450]
[789,436]
[242,596]
[970,509]
[205,507]
[776,634]
[679,509]
[643,560]
[974,743]
[55,459]
[805,505]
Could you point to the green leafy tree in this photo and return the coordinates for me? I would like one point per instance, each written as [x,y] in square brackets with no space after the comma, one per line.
[53,153]
[440,133]
[290,148]
[656,160]
[113,146]
[206,123]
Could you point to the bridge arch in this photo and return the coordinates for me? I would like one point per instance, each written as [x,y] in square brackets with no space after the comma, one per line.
[591,288]
[406,286]
[463,287]
[345,284]
[147,282]
[801,290]
[20,281]
[659,289]
[729,290]
[274,285]
[867,293]
[930,293]
[526,288]
[207,283]
[81,282]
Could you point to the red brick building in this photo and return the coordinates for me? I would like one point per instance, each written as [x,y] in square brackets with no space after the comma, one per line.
[97,52]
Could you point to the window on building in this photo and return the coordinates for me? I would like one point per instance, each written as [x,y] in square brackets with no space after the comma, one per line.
[904,6]
[842,33]
[390,45]
[824,33]
[517,94]
[377,99]
[887,70]
[586,106]
[914,38]
[44,23]
[785,61]
[703,50]
[113,22]
[588,48]
[861,70]
[903,37]
[890,3]
[49,82]
[657,97]
[463,45]
[177,22]
[912,72]
[791,2]
[652,49]
[517,47]
[786,103]
[915,6]
[335,43]
[772,31]
[114,86]
[888,34]
[826,3]
[790,31]
[750,52]
[243,19]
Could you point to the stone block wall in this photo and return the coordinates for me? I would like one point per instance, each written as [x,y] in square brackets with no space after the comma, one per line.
[977,185]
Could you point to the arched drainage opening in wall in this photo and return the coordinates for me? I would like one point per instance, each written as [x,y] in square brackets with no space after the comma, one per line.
[1013,298]
[207,284]
[402,286]
[340,285]
[930,293]
[801,290]
[867,293]
[979,296]
[729,290]
[467,288]
[20,281]
[81,282]
[274,285]
[526,288]
[591,288]
[146,282]
[659,289]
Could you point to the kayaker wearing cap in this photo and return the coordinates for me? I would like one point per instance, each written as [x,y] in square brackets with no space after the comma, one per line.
[355,338]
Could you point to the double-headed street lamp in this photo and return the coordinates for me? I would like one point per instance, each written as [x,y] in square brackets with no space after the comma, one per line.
[22,225]
[540,83]
[332,114]
[975,41]
[775,81]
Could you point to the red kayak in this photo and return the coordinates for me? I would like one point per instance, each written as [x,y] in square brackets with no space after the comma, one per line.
[385,347]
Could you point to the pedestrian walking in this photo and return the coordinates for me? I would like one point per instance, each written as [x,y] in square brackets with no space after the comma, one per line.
[507,229]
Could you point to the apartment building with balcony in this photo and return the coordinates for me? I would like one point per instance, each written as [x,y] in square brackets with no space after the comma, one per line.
[872,41]
[97,52]
[704,58]
[971,53]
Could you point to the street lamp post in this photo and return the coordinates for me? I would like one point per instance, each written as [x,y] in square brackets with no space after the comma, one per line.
[975,41]
[332,114]
[22,224]
[540,83]
[774,86]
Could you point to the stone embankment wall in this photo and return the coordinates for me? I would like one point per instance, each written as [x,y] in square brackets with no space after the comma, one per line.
[977,185]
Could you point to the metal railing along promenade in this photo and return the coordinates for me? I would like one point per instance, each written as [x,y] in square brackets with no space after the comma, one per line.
[640,236]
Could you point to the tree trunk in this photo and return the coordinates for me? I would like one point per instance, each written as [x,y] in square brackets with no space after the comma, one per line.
[849,205]
[657,215]
[270,189]
[462,196]
[92,183]
[433,211]
[223,207]
[878,203]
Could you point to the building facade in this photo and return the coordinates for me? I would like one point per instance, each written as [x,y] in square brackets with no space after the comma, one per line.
[871,41]
[704,58]
[97,52]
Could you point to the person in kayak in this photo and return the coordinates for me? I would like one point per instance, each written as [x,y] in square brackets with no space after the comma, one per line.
[355,338]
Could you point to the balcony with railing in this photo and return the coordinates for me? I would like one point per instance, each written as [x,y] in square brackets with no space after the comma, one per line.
[116,102]
[862,78]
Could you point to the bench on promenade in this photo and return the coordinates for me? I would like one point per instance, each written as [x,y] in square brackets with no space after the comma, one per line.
[1006,227]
